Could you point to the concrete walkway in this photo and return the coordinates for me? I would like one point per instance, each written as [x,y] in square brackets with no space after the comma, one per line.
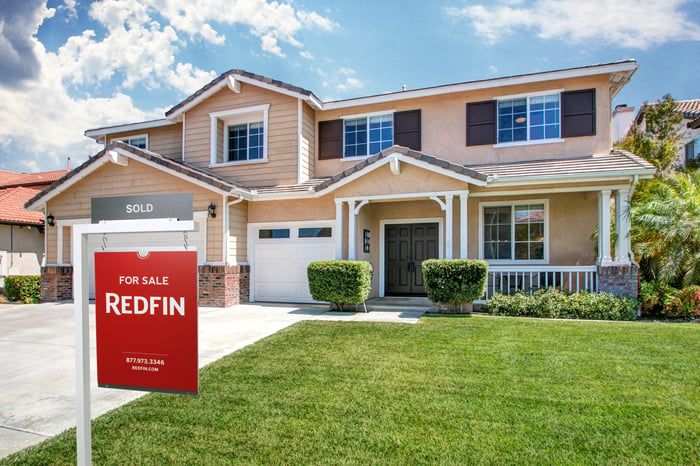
[37,359]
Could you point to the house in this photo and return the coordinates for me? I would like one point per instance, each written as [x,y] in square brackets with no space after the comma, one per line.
[689,129]
[517,170]
[21,230]
[623,118]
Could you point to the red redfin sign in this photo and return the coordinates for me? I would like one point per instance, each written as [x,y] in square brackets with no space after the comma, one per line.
[146,321]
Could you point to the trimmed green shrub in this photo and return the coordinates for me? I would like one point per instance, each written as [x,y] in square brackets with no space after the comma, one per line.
[25,288]
[340,282]
[454,281]
[553,303]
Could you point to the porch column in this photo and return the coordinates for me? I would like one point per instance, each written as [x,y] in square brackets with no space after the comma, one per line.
[463,235]
[338,229]
[604,226]
[351,230]
[448,225]
[622,225]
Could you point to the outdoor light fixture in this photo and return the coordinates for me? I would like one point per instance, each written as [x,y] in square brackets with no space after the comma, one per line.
[212,210]
[49,220]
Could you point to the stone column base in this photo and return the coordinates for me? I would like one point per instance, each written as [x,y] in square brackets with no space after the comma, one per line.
[56,283]
[619,278]
[224,285]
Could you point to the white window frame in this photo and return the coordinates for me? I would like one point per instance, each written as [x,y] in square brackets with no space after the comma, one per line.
[366,116]
[126,139]
[227,139]
[527,98]
[232,117]
[512,205]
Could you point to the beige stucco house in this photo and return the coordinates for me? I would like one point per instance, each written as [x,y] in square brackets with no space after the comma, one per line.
[518,171]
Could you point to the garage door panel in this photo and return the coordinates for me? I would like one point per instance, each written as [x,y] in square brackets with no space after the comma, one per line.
[280,267]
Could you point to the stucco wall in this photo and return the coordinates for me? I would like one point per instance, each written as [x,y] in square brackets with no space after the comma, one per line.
[443,129]
[21,250]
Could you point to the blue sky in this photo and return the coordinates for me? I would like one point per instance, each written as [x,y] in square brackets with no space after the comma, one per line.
[71,65]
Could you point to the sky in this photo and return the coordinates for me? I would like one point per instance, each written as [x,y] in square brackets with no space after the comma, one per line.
[71,65]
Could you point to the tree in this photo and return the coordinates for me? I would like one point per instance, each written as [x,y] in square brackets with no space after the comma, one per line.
[665,216]
[658,141]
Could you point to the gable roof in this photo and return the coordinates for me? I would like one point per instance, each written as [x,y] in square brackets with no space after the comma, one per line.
[229,78]
[12,209]
[113,151]
[616,163]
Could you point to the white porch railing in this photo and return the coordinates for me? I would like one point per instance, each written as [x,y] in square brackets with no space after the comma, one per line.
[511,279]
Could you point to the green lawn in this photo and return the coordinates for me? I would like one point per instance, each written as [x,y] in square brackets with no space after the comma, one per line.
[449,390]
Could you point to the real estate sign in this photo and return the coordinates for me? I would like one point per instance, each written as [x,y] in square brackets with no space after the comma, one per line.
[146,320]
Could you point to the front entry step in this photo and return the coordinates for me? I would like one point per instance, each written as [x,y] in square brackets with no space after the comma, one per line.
[401,304]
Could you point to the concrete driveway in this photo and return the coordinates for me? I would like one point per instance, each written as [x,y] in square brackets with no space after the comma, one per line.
[37,359]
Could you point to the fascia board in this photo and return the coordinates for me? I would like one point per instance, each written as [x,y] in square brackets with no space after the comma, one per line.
[280,90]
[97,132]
[624,67]
[607,176]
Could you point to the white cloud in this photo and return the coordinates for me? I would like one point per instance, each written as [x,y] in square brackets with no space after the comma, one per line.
[306,54]
[626,23]
[43,118]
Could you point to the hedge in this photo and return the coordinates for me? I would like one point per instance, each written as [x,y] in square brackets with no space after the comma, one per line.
[454,281]
[340,282]
[553,303]
[26,288]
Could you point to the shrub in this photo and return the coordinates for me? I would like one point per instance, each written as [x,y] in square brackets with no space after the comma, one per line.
[340,282]
[661,300]
[454,281]
[556,304]
[25,288]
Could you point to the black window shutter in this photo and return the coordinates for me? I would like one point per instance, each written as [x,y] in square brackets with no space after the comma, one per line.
[330,139]
[481,123]
[578,113]
[407,129]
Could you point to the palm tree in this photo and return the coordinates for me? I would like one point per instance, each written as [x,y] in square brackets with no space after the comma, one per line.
[666,228]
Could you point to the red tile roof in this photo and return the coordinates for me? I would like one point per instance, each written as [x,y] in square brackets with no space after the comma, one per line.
[689,108]
[11,179]
[12,206]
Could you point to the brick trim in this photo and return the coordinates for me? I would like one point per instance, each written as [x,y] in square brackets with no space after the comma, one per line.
[224,285]
[619,279]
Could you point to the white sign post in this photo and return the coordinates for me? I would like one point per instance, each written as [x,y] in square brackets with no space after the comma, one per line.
[82,316]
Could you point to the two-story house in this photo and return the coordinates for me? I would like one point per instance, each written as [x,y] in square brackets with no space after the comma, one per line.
[517,171]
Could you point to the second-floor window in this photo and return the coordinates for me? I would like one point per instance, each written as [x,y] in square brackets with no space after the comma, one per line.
[528,118]
[140,141]
[692,150]
[368,135]
[245,141]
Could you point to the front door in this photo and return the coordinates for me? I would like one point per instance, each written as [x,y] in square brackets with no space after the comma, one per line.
[406,246]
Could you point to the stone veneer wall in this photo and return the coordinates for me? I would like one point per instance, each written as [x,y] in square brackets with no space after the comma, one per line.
[619,279]
[56,283]
[219,285]
[224,285]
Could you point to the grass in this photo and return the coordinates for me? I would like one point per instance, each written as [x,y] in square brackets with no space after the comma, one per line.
[450,390]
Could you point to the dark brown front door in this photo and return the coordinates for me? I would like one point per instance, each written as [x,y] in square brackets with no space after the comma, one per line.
[406,246]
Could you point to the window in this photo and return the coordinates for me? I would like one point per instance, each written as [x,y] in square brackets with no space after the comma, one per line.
[692,150]
[245,142]
[140,141]
[238,136]
[368,135]
[273,233]
[514,232]
[528,118]
[321,232]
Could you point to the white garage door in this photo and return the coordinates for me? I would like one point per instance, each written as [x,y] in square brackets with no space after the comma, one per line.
[281,256]
[145,241]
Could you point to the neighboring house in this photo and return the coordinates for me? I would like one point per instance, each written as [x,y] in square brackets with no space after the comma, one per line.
[689,129]
[623,118]
[21,230]
[518,171]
